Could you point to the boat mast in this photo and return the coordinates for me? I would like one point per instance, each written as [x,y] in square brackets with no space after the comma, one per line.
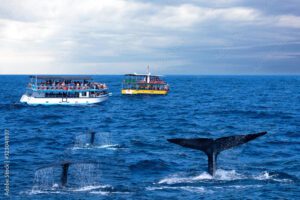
[148,74]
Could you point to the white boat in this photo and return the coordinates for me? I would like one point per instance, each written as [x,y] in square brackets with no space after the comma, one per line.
[64,90]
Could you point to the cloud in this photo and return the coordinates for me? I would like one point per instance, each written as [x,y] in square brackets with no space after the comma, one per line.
[70,34]
[25,31]
[289,21]
[188,15]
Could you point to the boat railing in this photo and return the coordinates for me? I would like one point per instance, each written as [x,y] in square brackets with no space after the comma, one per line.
[65,88]
[157,82]
[164,87]
[160,82]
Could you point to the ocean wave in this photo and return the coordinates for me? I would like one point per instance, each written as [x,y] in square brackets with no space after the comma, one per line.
[52,190]
[90,188]
[108,193]
[35,192]
[224,175]
[12,106]
[186,188]
[57,123]
[109,146]
[55,189]
[103,189]
[140,143]
[238,186]
[50,116]
[157,164]
[220,175]
[276,176]
[104,193]
[252,113]
[106,146]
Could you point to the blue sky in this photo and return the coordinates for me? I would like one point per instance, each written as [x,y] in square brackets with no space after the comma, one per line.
[173,37]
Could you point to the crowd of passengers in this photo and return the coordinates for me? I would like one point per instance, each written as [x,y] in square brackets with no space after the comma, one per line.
[72,95]
[147,87]
[69,85]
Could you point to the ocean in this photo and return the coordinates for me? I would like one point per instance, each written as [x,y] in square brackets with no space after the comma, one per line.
[132,158]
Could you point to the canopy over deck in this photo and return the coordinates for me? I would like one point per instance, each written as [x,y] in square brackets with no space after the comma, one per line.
[61,77]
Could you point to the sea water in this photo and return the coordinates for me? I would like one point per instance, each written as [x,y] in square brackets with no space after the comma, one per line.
[142,164]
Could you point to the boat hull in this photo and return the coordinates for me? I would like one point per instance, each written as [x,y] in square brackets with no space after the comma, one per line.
[151,92]
[62,101]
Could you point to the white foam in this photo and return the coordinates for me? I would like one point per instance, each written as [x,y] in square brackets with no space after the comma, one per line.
[229,175]
[87,146]
[107,193]
[100,192]
[220,175]
[187,188]
[176,179]
[108,146]
[56,190]
[89,188]
[36,191]
[195,189]
[237,186]
[244,186]
[266,176]
[263,176]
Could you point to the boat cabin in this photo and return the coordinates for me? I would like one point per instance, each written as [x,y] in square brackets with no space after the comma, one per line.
[144,84]
[65,87]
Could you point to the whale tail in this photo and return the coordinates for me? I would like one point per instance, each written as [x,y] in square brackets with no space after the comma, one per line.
[212,147]
[92,140]
[65,166]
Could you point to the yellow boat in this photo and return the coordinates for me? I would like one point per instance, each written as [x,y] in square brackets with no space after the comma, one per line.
[144,84]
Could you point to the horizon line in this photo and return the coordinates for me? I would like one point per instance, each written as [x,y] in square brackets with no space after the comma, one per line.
[288,74]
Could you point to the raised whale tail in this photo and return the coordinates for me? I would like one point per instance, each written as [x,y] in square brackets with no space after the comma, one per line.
[212,147]
[64,174]
[64,166]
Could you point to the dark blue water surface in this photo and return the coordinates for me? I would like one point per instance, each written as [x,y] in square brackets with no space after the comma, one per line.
[135,161]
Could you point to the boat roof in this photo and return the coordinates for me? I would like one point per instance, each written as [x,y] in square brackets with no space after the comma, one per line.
[61,77]
[140,75]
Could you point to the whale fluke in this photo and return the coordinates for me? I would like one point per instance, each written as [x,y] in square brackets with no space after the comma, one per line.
[64,174]
[92,137]
[212,147]
[64,167]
